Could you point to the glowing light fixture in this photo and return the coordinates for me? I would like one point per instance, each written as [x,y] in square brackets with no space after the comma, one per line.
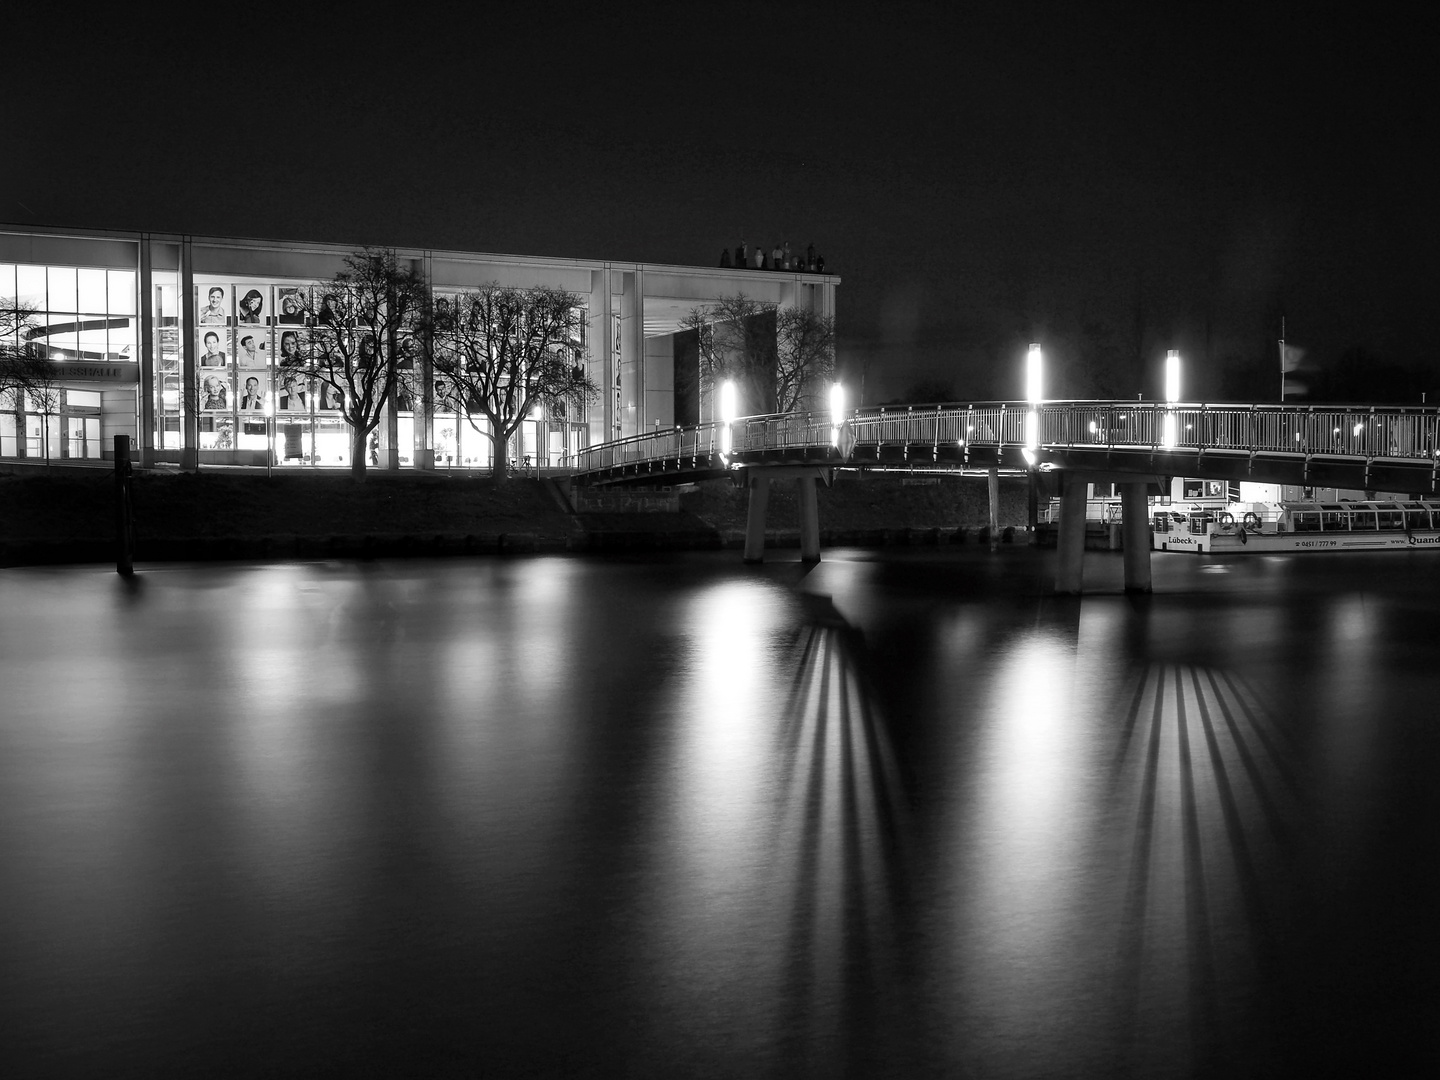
[1034,365]
[1172,376]
[837,412]
[727,415]
[1172,395]
[727,401]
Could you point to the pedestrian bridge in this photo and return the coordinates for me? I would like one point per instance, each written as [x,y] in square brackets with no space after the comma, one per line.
[1125,442]
[1366,447]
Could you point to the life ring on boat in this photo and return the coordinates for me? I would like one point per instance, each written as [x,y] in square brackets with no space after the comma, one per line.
[1251,520]
[1224,517]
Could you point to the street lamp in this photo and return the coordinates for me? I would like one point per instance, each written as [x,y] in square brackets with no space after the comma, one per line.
[837,412]
[727,414]
[1034,365]
[1172,395]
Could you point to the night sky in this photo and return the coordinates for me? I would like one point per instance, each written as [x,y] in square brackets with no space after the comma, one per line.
[1110,186]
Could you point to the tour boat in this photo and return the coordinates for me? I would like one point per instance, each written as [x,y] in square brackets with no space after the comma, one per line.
[1259,527]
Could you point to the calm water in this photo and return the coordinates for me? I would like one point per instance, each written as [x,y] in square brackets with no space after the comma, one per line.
[903,814]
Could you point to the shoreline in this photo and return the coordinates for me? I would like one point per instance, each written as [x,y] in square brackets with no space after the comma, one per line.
[63,520]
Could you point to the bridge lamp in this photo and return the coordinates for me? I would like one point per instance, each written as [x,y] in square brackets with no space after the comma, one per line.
[1034,366]
[1358,428]
[837,412]
[727,414]
[1172,395]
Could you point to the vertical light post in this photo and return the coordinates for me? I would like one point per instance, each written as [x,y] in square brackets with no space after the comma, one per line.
[1172,395]
[727,416]
[837,412]
[1034,376]
[536,413]
[270,432]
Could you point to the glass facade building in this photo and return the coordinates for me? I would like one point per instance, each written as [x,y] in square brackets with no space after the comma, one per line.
[175,341]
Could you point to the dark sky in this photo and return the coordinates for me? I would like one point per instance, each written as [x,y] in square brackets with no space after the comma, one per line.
[1122,184]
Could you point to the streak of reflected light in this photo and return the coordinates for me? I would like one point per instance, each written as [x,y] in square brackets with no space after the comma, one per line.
[838,832]
[1205,781]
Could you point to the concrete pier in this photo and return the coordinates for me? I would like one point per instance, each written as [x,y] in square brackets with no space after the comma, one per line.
[1135,530]
[1070,544]
[809,520]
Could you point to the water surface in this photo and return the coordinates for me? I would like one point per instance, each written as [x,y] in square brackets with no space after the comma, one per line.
[905,813]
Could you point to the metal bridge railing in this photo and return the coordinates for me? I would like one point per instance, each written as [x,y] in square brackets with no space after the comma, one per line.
[1357,432]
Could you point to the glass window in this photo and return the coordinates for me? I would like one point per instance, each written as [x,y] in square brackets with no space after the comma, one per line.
[91,289]
[30,285]
[7,280]
[83,399]
[61,292]
[121,292]
[122,340]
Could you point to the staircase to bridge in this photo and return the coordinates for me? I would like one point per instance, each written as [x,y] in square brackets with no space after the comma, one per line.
[1070,443]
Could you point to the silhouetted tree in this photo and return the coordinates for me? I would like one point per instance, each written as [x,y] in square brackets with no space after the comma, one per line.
[804,357]
[500,351]
[21,364]
[361,322]
[737,341]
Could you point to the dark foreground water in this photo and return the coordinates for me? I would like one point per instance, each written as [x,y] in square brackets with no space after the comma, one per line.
[904,814]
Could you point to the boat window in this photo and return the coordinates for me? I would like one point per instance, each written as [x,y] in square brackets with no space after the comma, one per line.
[1392,517]
[1417,519]
[1363,519]
[1335,521]
[1306,521]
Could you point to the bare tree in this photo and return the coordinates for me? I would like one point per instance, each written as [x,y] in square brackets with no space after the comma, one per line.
[362,321]
[780,357]
[804,357]
[20,362]
[500,351]
[24,370]
[737,342]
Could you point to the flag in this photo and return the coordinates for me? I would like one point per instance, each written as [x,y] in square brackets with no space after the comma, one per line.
[1290,357]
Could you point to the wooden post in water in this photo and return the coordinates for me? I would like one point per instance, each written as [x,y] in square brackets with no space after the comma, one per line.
[124,511]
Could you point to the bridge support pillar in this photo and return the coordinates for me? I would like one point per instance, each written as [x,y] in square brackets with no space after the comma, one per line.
[1135,527]
[809,520]
[994,486]
[1070,545]
[759,486]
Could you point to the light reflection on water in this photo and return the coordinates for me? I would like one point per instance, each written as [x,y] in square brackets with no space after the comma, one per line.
[893,815]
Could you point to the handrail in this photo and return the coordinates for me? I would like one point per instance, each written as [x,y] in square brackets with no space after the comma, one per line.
[1361,432]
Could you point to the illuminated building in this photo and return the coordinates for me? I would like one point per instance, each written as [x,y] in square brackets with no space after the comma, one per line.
[173,340]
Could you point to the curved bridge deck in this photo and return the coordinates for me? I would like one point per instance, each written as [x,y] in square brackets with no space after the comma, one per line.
[1362,447]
